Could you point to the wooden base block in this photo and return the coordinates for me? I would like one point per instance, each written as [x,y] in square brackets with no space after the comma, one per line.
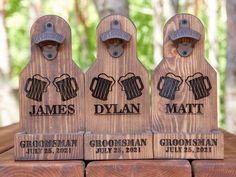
[189,145]
[10,168]
[57,146]
[139,168]
[118,146]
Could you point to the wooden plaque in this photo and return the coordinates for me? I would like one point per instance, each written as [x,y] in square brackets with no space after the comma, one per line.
[117,100]
[184,95]
[51,96]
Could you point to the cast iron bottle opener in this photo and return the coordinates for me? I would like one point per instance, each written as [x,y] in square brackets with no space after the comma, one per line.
[115,39]
[49,41]
[185,38]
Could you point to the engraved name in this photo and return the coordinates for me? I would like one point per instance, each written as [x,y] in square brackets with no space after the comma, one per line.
[48,110]
[104,109]
[184,108]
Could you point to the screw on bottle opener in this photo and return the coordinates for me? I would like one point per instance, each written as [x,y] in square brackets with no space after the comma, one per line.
[115,39]
[185,38]
[49,41]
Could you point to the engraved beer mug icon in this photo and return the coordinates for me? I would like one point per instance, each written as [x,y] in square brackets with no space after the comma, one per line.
[101,86]
[67,86]
[200,85]
[168,85]
[132,85]
[36,86]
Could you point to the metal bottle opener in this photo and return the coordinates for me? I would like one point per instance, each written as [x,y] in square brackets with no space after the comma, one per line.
[49,41]
[115,39]
[185,38]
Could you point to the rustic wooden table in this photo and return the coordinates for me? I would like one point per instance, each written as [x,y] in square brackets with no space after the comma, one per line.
[124,168]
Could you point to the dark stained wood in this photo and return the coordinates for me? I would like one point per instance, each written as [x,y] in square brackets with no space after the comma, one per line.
[62,64]
[7,136]
[139,168]
[218,168]
[11,168]
[59,113]
[191,111]
[128,118]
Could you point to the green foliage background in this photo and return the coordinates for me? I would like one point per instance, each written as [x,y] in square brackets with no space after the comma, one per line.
[141,12]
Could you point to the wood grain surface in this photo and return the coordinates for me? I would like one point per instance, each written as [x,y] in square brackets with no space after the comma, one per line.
[116,68]
[10,168]
[51,97]
[62,64]
[117,98]
[184,96]
[138,168]
[183,120]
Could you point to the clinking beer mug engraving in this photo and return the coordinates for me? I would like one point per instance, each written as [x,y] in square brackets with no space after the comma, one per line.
[36,86]
[200,85]
[101,86]
[132,85]
[170,85]
[67,86]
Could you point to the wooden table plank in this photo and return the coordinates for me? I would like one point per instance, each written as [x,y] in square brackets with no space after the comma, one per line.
[7,136]
[11,168]
[139,168]
[218,168]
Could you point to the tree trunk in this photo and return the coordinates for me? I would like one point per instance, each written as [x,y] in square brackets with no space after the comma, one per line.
[157,30]
[35,11]
[162,11]
[107,7]
[230,74]
[8,104]
[81,14]
[212,33]
[4,54]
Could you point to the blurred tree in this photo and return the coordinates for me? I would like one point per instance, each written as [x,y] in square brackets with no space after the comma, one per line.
[230,78]
[162,11]
[81,14]
[35,11]
[107,7]
[141,13]
[157,31]
[212,33]
[8,104]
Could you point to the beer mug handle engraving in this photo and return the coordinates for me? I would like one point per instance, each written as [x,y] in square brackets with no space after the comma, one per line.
[187,82]
[92,83]
[29,80]
[159,83]
[113,82]
[57,89]
[119,81]
[208,83]
[75,84]
[48,83]
[181,81]
[140,83]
